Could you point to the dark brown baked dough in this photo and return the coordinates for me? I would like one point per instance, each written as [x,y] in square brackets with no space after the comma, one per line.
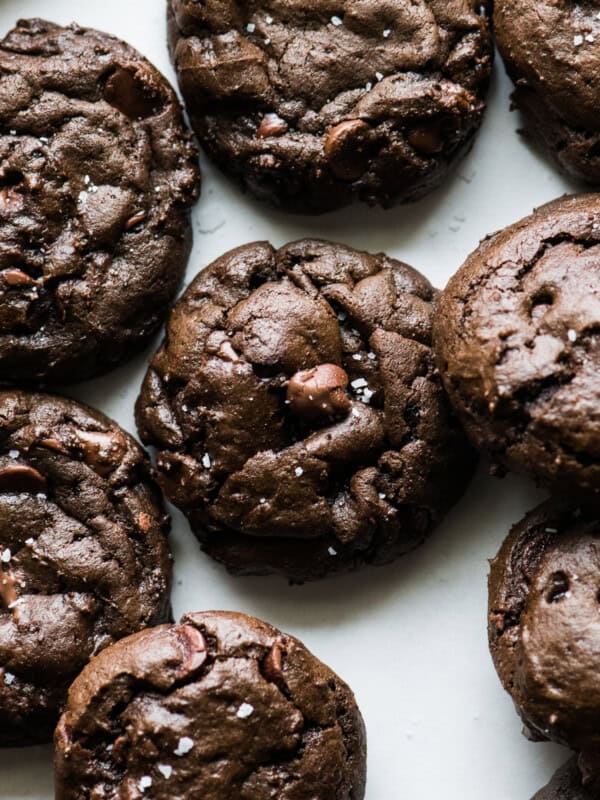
[550,48]
[311,105]
[566,785]
[84,558]
[518,345]
[219,707]
[298,416]
[97,176]
[544,622]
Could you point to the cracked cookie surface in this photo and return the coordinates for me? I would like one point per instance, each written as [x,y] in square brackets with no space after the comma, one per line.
[518,343]
[84,558]
[550,48]
[98,173]
[312,105]
[544,622]
[298,417]
[221,706]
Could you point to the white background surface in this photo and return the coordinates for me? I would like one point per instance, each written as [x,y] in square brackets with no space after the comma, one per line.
[410,638]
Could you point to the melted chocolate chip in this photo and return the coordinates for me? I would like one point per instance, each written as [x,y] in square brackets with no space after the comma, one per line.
[319,392]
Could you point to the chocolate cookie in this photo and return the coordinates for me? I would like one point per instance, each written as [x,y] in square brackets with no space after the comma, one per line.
[518,346]
[544,622]
[566,785]
[550,48]
[299,419]
[84,558]
[220,706]
[314,105]
[98,173]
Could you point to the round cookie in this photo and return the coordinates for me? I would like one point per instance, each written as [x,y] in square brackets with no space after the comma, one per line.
[98,176]
[313,105]
[550,48]
[84,558]
[299,420]
[516,337]
[566,785]
[544,622]
[220,706]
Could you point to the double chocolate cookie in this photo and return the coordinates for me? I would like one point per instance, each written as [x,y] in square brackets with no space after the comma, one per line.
[544,622]
[298,416]
[98,173]
[222,707]
[518,346]
[313,105]
[84,558]
[566,785]
[550,48]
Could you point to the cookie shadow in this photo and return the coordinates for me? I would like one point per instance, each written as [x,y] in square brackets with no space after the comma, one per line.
[35,763]
[457,551]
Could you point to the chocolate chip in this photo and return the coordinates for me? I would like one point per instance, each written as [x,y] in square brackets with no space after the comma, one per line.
[54,444]
[130,91]
[194,649]
[219,344]
[144,521]
[16,277]
[271,125]
[138,217]
[9,198]
[319,392]
[272,665]
[345,149]
[8,592]
[17,478]
[102,451]
[426,139]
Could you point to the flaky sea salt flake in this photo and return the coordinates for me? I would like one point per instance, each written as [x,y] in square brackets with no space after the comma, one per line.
[166,770]
[244,711]
[184,746]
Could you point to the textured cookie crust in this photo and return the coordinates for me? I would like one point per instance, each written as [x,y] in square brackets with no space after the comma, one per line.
[544,622]
[566,785]
[219,707]
[518,346]
[550,48]
[98,175]
[277,475]
[311,105]
[84,558]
